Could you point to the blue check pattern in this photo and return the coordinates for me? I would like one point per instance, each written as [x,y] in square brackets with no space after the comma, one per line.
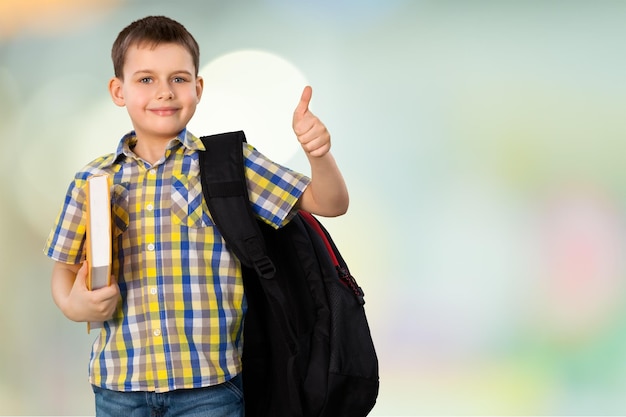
[179,321]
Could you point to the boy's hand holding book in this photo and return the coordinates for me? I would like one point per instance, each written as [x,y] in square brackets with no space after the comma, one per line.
[91,305]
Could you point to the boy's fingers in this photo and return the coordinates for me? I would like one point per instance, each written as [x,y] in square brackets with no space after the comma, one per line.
[81,275]
[305,99]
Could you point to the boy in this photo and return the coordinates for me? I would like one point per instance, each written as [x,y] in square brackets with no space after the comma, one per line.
[171,338]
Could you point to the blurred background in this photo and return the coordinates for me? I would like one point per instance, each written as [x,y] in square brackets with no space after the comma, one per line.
[483,144]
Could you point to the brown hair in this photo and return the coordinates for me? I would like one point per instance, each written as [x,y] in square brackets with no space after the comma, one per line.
[152,30]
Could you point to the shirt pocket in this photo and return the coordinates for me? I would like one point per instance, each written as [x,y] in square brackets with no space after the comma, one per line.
[188,208]
[119,208]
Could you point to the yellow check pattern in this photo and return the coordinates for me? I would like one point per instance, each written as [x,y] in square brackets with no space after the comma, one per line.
[179,322]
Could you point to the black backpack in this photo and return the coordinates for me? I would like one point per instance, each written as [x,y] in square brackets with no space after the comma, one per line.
[308,351]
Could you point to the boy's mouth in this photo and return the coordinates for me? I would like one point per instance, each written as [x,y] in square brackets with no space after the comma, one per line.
[164,111]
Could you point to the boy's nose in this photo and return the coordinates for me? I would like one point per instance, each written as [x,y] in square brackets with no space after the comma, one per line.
[166,94]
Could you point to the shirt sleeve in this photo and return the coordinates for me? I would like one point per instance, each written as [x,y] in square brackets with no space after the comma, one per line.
[65,242]
[274,189]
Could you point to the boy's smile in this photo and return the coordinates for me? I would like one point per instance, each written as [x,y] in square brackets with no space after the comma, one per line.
[159,90]
[164,111]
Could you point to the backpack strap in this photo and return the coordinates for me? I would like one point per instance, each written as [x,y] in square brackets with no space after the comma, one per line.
[226,193]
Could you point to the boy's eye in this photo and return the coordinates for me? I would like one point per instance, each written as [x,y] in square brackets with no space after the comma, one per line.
[145,80]
[179,79]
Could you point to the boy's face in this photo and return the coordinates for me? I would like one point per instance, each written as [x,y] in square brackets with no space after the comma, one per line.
[160,90]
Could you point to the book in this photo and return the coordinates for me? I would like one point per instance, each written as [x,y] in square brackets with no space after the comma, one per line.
[98,241]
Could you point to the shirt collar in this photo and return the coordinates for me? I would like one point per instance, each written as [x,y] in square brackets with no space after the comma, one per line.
[185,138]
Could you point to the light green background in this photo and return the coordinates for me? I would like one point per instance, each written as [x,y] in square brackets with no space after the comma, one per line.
[483,143]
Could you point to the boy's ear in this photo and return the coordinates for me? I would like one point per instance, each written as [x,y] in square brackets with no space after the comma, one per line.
[116,91]
[199,87]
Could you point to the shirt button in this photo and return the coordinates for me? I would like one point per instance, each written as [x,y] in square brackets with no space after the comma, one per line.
[157,332]
[152,173]
[149,207]
[153,291]
[150,246]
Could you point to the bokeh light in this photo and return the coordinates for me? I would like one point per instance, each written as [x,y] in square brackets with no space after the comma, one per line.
[253,91]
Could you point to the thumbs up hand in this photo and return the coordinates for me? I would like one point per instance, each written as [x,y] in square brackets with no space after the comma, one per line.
[326,194]
[310,131]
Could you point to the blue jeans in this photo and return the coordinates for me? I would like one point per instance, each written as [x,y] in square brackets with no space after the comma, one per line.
[224,400]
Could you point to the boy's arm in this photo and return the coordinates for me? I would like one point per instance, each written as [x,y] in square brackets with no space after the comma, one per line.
[70,293]
[327,194]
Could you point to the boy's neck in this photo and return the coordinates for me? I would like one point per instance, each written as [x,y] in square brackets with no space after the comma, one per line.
[151,150]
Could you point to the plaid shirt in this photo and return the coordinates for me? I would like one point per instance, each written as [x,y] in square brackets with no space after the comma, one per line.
[179,322]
